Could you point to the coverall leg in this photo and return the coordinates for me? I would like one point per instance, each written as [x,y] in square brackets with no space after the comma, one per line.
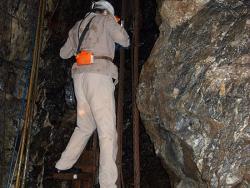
[95,108]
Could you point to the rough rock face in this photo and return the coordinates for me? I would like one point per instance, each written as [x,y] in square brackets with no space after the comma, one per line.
[16,36]
[194,92]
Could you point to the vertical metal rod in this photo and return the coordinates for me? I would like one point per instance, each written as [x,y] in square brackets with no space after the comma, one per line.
[120,103]
[135,72]
[34,93]
[30,98]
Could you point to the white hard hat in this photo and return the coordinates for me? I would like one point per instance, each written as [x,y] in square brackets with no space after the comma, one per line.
[104,5]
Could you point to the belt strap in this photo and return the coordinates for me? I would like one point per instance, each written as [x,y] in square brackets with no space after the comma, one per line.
[104,57]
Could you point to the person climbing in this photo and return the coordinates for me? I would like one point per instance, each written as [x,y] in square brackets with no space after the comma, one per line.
[94,85]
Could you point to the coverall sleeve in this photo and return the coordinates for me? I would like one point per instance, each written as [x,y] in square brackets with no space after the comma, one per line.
[66,51]
[117,33]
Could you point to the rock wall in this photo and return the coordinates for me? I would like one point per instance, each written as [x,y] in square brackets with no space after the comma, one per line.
[194,92]
[16,37]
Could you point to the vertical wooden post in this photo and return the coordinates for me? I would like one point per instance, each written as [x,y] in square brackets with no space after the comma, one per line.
[136,125]
[120,105]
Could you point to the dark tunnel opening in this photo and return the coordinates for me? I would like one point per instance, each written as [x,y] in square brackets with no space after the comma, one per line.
[61,105]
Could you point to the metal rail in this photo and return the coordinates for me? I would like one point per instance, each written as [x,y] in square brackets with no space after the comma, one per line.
[120,104]
[135,80]
[25,139]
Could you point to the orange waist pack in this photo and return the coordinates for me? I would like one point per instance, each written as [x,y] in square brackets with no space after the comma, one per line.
[84,58]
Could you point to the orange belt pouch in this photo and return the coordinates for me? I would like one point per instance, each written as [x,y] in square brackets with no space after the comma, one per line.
[84,58]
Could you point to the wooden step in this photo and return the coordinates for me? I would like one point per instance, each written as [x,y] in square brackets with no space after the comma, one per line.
[72,176]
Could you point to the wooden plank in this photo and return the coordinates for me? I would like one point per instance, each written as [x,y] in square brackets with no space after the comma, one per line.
[135,78]
[72,176]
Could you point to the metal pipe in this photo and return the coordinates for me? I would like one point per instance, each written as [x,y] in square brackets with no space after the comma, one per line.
[120,103]
[41,21]
[30,98]
[135,72]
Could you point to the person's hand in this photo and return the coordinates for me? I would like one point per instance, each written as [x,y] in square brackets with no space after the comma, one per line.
[117,19]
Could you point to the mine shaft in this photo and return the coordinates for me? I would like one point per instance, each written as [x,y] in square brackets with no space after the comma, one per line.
[124,93]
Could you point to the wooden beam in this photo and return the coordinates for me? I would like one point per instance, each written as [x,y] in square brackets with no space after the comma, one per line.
[135,80]
[120,105]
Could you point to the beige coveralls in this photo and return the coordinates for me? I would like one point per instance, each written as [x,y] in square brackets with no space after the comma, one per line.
[94,90]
